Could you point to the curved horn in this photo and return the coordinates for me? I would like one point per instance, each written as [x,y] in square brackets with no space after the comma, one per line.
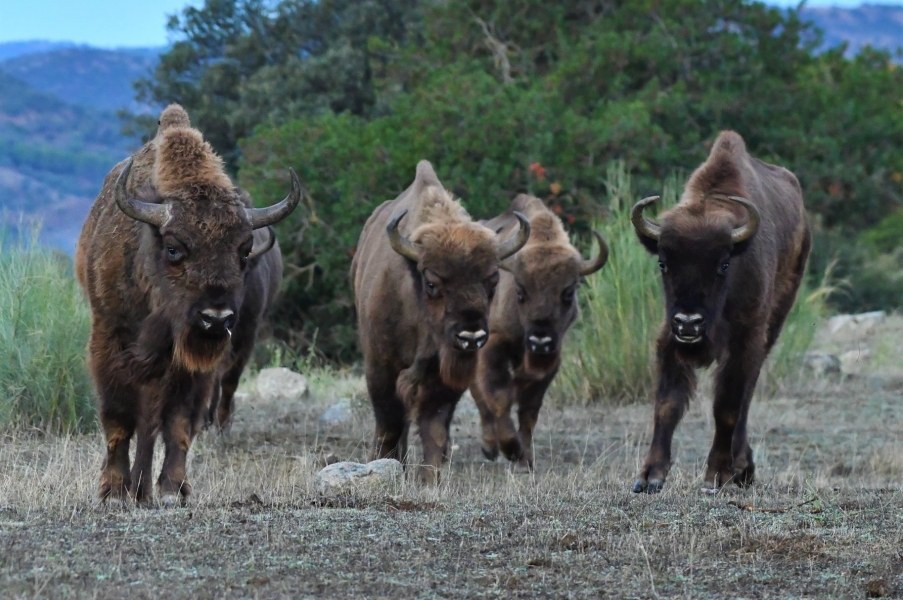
[260,249]
[745,232]
[264,217]
[517,240]
[146,212]
[644,226]
[399,243]
[588,267]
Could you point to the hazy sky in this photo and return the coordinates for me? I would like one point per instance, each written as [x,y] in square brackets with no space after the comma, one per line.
[111,23]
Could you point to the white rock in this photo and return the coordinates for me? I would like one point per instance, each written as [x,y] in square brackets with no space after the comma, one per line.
[859,324]
[822,363]
[853,362]
[337,414]
[383,476]
[280,385]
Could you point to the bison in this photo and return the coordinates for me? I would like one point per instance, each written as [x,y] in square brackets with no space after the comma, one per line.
[732,255]
[532,310]
[422,288]
[164,258]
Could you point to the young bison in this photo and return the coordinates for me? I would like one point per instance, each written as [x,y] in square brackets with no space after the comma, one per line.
[732,254]
[533,308]
[164,257]
[423,276]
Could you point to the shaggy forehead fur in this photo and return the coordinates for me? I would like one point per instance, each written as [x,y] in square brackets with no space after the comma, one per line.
[548,251]
[703,211]
[448,235]
[172,116]
[184,161]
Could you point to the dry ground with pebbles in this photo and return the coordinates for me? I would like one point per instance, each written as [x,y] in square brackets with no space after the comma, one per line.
[824,520]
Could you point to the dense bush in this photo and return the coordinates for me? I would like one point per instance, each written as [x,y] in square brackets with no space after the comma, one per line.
[44,324]
[485,89]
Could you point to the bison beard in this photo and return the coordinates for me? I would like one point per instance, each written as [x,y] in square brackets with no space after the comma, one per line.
[733,253]
[196,352]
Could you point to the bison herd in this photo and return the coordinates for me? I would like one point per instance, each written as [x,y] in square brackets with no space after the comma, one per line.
[180,270]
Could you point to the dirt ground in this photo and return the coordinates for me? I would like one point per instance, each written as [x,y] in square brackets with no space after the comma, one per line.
[825,519]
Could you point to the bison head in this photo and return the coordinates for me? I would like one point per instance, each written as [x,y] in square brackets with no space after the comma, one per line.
[545,285]
[195,251]
[456,265]
[694,250]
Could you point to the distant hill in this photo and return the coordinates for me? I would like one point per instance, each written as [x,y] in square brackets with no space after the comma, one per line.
[877,25]
[14,49]
[87,76]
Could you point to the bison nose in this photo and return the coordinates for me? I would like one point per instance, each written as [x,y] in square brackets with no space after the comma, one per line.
[217,320]
[541,344]
[471,340]
[688,328]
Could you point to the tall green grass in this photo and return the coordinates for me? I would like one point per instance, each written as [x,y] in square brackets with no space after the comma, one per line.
[609,354]
[44,326]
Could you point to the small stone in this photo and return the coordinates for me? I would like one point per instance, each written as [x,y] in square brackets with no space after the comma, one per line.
[853,362]
[859,324]
[337,414]
[822,363]
[280,385]
[383,476]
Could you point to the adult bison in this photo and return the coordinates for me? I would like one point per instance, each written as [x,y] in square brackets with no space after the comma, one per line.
[732,254]
[532,310]
[163,258]
[422,287]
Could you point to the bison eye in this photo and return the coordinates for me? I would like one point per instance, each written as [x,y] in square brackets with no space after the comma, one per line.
[663,266]
[173,254]
[431,289]
[568,296]
[520,296]
[723,269]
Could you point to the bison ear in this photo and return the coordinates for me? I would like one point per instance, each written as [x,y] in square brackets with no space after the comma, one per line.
[740,247]
[650,244]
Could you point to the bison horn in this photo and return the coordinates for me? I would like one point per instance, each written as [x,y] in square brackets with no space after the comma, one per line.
[146,212]
[745,232]
[588,267]
[644,226]
[517,240]
[261,249]
[264,217]
[399,243]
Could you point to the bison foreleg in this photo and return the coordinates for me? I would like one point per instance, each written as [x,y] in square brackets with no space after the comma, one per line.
[529,402]
[181,422]
[677,382]
[731,458]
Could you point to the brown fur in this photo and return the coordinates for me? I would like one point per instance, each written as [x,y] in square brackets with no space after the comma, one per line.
[153,364]
[414,371]
[743,293]
[545,272]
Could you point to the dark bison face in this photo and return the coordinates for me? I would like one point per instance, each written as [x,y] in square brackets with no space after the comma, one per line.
[545,284]
[456,265]
[695,253]
[196,254]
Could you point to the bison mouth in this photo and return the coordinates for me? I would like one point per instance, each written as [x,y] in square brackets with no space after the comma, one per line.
[689,339]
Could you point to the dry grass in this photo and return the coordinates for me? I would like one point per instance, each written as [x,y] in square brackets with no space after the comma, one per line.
[825,519]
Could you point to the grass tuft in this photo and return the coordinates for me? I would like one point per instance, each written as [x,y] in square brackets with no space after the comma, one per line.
[44,324]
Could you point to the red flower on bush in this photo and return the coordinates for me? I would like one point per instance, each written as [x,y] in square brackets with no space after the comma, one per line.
[538,170]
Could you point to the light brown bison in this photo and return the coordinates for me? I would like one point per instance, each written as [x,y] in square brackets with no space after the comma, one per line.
[423,277]
[532,310]
[732,254]
[163,258]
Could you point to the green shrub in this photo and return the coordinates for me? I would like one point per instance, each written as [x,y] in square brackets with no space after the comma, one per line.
[609,353]
[44,326]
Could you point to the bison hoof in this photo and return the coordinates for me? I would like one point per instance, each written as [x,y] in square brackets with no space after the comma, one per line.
[649,487]
[171,500]
[490,452]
